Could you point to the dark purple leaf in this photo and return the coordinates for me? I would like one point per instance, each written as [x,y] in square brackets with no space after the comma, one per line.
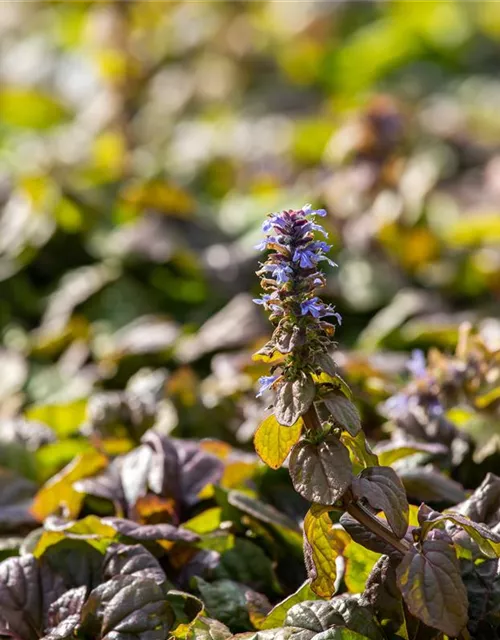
[487,540]
[27,588]
[313,615]
[198,469]
[382,592]
[432,586]
[343,411]
[321,473]
[293,399]
[164,475]
[150,532]
[365,537]
[134,560]
[384,491]
[484,504]
[65,630]
[64,614]
[107,485]
[127,606]
[427,484]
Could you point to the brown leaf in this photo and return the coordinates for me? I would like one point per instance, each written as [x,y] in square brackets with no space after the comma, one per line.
[321,472]
[384,491]
[432,586]
[293,399]
[343,412]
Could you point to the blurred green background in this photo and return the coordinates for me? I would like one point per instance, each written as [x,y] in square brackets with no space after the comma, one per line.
[142,144]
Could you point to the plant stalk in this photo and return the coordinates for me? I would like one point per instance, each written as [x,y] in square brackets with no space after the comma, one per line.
[353,506]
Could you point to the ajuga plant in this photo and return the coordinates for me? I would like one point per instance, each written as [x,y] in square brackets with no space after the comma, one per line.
[416,589]
[467,381]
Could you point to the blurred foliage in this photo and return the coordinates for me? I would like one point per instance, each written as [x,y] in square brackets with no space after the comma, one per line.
[141,145]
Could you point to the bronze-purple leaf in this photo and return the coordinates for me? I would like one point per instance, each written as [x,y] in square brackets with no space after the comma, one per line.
[134,560]
[293,399]
[127,606]
[150,532]
[64,614]
[384,491]
[487,540]
[321,472]
[484,504]
[432,586]
[343,412]
[27,589]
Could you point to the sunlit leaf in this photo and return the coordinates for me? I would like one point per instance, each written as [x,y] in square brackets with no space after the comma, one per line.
[30,108]
[359,449]
[274,441]
[359,563]
[322,545]
[58,492]
[277,615]
[63,419]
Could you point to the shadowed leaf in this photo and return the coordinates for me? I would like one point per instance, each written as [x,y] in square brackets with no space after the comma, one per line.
[486,540]
[316,617]
[64,614]
[127,606]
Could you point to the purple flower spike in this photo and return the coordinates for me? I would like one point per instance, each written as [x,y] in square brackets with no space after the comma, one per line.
[290,278]
[264,299]
[306,257]
[309,211]
[314,306]
[266,382]
[262,246]
[397,406]
[416,364]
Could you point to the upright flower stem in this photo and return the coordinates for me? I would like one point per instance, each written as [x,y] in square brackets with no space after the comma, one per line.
[353,506]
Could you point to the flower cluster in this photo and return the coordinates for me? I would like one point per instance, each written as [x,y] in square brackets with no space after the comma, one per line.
[291,278]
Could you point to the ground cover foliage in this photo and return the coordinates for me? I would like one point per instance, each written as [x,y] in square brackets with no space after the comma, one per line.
[145,491]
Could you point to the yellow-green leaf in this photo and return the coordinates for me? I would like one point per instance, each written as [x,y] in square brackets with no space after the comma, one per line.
[361,454]
[359,563]
[91,529]
[58,492]
[322,544]
[30,108]
[64,419]
[274,441]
